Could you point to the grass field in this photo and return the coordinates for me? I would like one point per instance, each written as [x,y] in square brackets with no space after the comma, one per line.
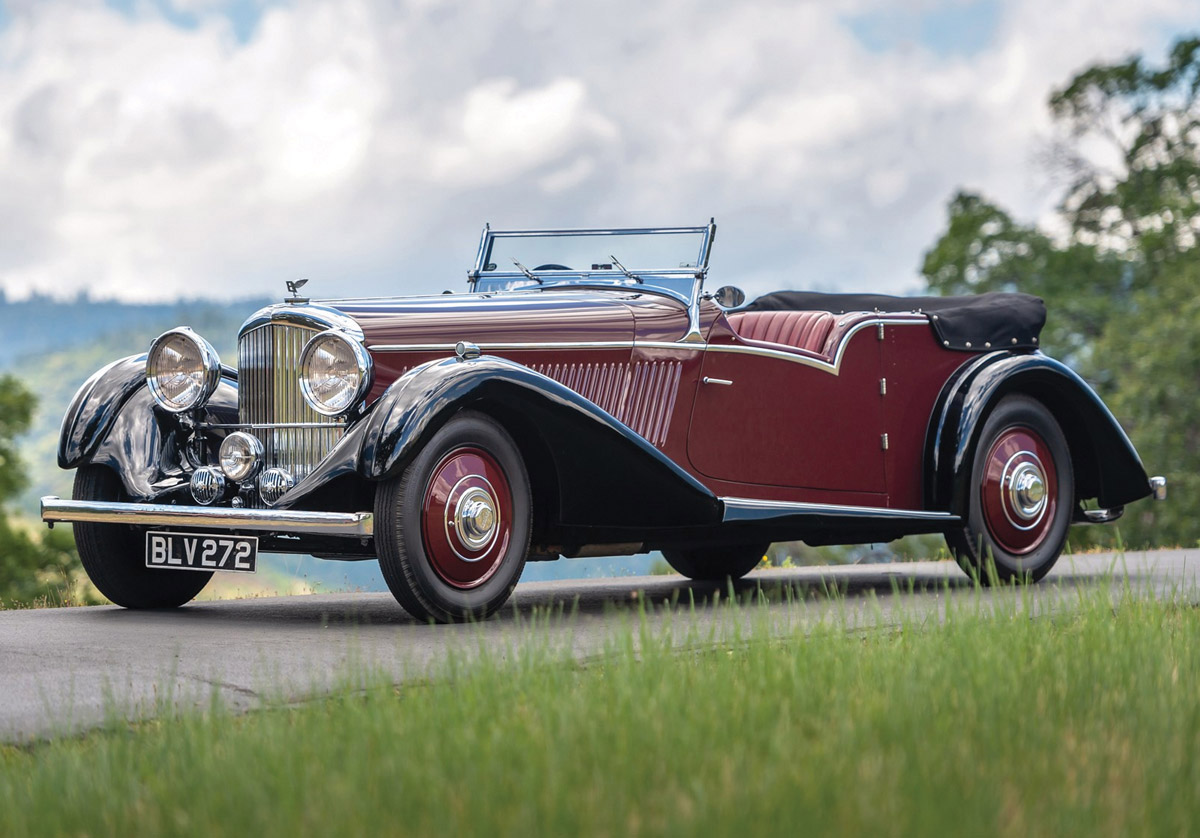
[984,721]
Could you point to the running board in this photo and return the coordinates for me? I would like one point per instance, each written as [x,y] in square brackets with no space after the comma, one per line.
[748,510]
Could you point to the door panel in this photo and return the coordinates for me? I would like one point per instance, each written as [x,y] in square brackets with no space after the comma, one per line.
[784,423]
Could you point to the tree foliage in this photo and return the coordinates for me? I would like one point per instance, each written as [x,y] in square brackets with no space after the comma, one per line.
[35,565]
[1120,281]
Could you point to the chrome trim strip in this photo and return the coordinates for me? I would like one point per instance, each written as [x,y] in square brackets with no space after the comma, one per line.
[511,347]
[782,509]
[347,524]
[260,426]
[307,316]
[778,354]
[819,363]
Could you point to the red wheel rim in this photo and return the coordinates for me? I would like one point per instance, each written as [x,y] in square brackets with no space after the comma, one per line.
[466,517]
[1019,492]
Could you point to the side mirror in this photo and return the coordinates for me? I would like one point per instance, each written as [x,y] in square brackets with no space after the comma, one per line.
[728,296]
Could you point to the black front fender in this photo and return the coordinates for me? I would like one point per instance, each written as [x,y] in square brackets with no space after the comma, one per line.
[113,421]
[1106,465]
[607,475]
[95,408]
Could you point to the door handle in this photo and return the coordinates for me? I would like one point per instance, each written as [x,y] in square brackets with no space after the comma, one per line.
[724,381]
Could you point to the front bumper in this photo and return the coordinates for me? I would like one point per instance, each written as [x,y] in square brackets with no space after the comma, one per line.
[287,521]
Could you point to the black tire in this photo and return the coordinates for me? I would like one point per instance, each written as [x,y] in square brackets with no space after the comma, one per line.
[714,564]
[414,528]
[999,544]
[114,554]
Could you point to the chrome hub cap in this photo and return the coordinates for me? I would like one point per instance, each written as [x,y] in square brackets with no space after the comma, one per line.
[475,519]
[1026,489]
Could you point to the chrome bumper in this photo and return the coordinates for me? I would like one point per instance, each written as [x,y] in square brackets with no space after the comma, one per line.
[292,522]
[1158,488]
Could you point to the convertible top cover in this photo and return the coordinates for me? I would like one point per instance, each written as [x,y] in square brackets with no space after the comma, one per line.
[974,323]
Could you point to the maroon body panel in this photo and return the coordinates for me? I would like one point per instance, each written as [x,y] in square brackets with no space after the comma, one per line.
[789,418]
[916,369]
[795,425]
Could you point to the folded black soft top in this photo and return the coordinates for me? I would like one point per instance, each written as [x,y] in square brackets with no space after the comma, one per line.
[976,323]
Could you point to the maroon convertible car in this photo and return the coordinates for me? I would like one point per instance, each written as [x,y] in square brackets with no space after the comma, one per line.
[584,397]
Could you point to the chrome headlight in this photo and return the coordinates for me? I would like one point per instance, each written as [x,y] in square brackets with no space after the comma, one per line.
[335,372]
[182,370]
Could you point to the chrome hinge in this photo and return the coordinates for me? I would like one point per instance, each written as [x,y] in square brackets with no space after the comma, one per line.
[883,442]
[881,331]
[883,386]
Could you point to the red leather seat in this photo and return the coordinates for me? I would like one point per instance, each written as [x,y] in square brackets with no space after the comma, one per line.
[801,329]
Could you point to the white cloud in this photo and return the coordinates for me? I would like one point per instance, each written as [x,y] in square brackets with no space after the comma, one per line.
[364,144]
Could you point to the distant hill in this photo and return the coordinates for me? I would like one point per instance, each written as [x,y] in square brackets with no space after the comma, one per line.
[53,346]
[41,325]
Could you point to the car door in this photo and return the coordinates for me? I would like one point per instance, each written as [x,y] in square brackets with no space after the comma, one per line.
[777,415]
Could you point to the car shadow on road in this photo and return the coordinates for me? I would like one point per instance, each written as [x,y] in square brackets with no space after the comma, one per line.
[595,597]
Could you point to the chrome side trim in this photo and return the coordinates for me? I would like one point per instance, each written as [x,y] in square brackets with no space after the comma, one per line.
[259,426]
[833,367]
[511,347]
[347,524]
[750,509]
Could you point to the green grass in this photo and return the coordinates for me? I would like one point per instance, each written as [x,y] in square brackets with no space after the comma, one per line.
[981,721]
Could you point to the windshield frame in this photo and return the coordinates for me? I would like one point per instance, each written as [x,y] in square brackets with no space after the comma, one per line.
[591,277]
[606,278]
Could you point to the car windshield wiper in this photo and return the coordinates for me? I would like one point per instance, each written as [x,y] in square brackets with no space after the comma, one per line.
[628,273]
[526,271]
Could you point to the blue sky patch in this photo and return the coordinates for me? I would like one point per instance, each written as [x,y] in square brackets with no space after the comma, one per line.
[243,14]
[953,27]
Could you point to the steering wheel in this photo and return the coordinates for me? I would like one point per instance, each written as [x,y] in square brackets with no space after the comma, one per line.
[551,266]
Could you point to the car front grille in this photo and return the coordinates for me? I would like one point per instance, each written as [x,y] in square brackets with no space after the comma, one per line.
[269,394]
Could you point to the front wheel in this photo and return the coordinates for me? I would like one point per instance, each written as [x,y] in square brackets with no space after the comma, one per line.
[114,555]
[452,530]
[716,563]
[1020,497]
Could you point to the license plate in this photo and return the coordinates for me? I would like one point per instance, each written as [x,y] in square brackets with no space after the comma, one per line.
[193,551]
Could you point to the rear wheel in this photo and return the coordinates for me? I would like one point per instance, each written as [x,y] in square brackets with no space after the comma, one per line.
[452,530]
[114,554]
[1021,495]
[716,563]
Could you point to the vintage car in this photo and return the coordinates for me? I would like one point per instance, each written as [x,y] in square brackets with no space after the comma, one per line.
[586,396]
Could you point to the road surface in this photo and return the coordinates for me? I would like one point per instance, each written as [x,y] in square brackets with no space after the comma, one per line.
[64,670]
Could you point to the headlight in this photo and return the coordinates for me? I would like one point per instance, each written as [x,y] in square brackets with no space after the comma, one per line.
[335,372]
[182,370]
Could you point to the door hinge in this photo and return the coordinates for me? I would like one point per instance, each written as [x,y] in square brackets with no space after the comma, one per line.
[883,386]
[881,331]
[883,442]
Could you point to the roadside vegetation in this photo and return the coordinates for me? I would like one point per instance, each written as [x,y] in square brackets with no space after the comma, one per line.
[985,719]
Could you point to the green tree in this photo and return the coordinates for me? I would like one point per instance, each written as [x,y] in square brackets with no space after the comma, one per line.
[1120,284]
[35,566]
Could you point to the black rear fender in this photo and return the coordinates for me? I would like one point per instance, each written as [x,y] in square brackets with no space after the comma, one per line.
[1106,465]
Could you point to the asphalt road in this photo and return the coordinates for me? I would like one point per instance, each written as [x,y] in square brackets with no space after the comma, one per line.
[64,670]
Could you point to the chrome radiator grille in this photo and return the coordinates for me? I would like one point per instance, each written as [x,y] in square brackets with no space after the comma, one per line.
[269,394]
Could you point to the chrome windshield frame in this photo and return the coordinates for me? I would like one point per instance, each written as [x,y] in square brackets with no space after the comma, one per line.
[580,278]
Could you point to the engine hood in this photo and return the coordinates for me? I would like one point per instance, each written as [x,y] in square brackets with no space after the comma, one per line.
[523,317]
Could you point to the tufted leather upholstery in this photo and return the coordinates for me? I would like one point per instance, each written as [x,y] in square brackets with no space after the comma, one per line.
[801,329]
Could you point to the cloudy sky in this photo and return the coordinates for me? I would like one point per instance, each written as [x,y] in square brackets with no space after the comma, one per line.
[151,149]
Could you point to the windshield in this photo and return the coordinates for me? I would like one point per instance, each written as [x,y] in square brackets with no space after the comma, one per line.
[670,258]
